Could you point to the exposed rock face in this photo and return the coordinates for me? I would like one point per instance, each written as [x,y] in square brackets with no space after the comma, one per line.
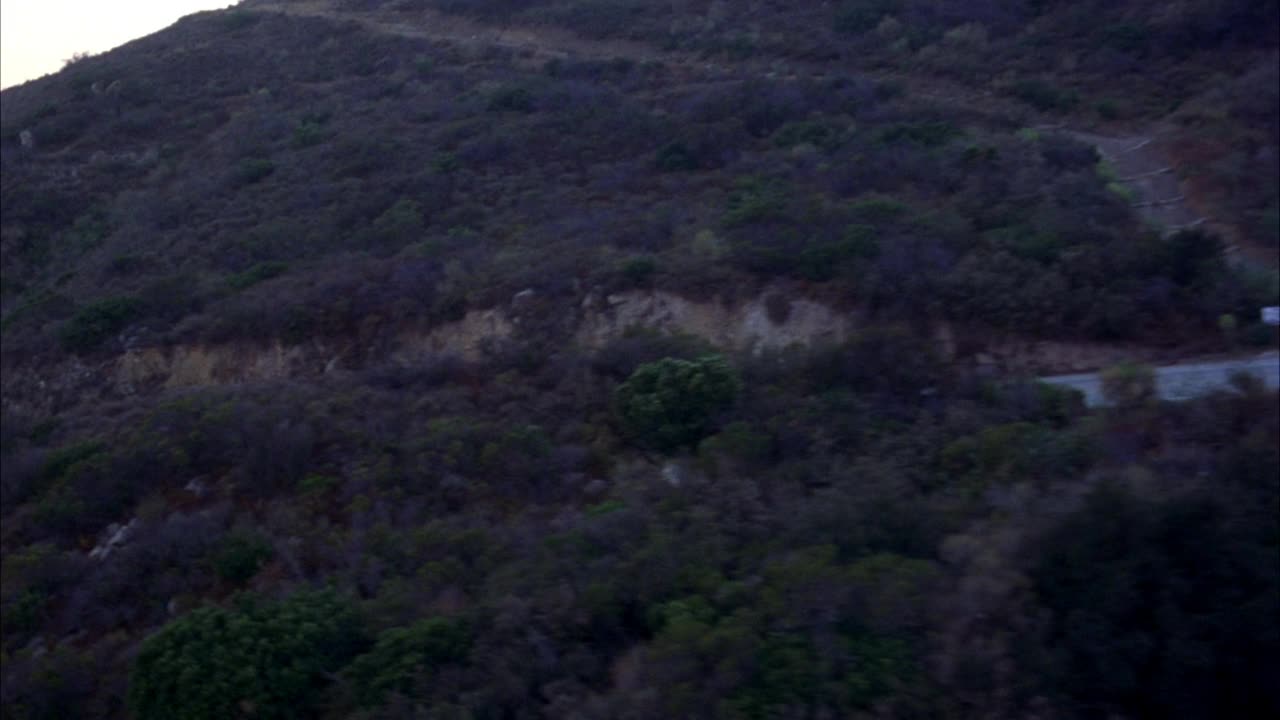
[467,338]
[770,321]
[44,389]
[196,365]
[113,538]
[747,326]
[752,326]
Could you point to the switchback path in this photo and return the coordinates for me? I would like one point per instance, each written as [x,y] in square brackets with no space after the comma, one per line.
[1143,167]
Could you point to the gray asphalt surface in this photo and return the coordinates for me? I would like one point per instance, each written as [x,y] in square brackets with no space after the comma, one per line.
[1182,382]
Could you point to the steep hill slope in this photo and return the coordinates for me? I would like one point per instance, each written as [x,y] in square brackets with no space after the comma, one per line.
[184,206]
[616,359]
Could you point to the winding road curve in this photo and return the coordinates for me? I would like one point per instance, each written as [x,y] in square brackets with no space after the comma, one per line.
[1182,382]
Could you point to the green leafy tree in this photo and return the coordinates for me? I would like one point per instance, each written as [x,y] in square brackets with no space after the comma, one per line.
[398,225]
[402,655]
[265,660]
[1159,608]
[95,323]
[1192,256]
[241,556]
[670,403]
[676,156]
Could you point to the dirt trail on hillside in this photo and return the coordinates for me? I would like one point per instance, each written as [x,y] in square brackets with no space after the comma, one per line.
[532,43]
[1142,165]
[536,44]
[1141,162]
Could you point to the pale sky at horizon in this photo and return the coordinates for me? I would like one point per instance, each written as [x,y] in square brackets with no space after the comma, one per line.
[36,36]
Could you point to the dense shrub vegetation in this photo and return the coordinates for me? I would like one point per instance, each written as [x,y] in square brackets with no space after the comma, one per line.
[525,524]
[837,543]
[910,204]
[671,403]
[252,659]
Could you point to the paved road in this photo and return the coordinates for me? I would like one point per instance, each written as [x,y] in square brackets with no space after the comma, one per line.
[1183,382]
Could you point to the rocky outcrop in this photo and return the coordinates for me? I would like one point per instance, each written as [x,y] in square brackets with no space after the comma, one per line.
[767,322]
[43,389]
[201,364]
[770,320]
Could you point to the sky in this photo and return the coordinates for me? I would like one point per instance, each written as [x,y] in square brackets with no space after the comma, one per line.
[37,36]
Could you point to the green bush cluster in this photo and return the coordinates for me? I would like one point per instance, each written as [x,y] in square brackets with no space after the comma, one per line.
[402,656]
[826,260]
[1044,95]
[822,135]
[671,403]
[855,17]
[511,99]
[257,658]
[676,156]
[94,324]
[755,200]
[638,269]
[252,170]
[928,134]
[398,225]
[308,133]
[240,556]
[256,274]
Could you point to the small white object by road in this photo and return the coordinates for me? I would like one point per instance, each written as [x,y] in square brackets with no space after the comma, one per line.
[1271,315]
[1182,382]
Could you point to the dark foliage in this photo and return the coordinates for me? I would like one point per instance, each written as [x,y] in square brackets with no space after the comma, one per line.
[1159,608]
[296,301]
[265,659]
[96,323]
[670,403]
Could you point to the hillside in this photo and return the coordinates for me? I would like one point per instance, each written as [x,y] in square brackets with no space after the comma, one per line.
[619,359]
